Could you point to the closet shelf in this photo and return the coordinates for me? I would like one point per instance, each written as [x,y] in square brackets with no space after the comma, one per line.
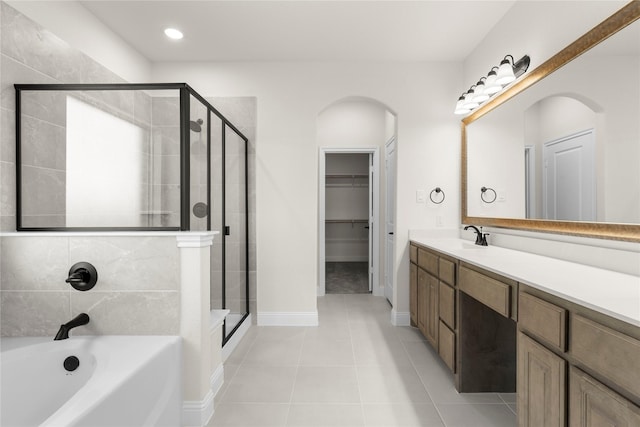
[352,177]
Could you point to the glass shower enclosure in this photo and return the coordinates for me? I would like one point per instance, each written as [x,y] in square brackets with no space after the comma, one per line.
[136,157]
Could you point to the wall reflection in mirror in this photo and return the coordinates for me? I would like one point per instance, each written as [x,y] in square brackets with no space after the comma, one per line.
[568,147]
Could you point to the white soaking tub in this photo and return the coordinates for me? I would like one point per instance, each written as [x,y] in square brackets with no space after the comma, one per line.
[119,381]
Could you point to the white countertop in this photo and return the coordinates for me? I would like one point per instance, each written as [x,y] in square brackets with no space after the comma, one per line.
[608,292]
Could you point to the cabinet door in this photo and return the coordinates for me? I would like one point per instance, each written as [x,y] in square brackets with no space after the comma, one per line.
[413,294]
[433,319]
[447,346]
[541,385]
[592,404]
[422,307]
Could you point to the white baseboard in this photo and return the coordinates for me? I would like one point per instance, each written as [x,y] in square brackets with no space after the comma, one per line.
[288,319]
[197,413]
[400,318]
[235,339]
[217,379]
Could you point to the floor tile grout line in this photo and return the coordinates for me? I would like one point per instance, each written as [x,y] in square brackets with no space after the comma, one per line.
[413,365]
[295,378]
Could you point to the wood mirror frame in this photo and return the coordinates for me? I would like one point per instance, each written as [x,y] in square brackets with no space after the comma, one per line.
[613,231]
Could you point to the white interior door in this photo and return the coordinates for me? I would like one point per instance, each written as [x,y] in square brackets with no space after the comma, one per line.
[569,184]
[390,215]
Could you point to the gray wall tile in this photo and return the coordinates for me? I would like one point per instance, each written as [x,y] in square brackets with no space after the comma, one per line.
[7,189]
[129,263]
[43,144]
[33,314]
[128,313]
[43,191]
[7,135]
[34,263]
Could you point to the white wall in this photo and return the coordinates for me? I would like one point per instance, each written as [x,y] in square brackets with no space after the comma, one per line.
[538,29]
[290,97]
[70,21]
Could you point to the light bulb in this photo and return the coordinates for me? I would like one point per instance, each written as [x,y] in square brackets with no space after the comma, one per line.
[174,34]
[491,86]
[505,73]
[460,108]
[480,94]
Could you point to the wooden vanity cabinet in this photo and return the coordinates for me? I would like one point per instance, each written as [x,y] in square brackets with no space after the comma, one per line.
[541,385]
[413,294]
[574,366]
[433,276]
[600,354]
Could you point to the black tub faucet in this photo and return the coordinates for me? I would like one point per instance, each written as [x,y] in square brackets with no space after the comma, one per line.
[79,320]
[481,238]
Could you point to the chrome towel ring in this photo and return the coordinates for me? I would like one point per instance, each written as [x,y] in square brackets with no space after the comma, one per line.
[483,191]
[437,190]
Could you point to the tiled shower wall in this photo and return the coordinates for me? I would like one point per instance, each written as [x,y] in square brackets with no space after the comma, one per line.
[128,299]
[137,292]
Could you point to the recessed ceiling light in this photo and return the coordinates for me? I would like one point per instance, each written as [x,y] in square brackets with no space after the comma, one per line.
[172,33]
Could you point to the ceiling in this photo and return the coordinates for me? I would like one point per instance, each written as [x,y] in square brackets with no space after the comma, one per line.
[302,30]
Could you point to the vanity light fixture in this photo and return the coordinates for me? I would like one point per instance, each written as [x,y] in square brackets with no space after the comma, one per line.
[480,91]
[505,71]
[174,34]
[491,85]
[469,99]
[497,78]
[460,108]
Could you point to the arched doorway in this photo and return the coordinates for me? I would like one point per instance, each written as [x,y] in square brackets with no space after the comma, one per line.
[353,186]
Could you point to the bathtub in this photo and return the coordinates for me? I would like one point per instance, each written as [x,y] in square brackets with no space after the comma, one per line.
[120,381]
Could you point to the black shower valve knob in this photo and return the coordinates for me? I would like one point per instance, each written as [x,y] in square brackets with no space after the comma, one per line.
[82,276]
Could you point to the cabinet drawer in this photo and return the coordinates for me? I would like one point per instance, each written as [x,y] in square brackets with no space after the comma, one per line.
[428,261]
[447,346]
[543,320]
[447,271]
[490,292]
[413,254]
[592,404]
[448,305]
[612,355]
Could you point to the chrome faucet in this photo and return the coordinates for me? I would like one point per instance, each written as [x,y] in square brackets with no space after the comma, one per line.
[79,320]
[481,238]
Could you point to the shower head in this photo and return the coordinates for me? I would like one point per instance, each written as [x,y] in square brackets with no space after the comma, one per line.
[196,126]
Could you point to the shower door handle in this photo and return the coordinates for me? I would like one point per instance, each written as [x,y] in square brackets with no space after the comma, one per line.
[227,230]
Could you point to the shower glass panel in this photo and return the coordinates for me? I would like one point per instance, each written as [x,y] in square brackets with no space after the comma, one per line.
[199,165]
[217,211]
[147,157]
[72,141]
[235,239]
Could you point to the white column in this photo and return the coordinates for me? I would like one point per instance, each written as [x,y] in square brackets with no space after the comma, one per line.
[195,326]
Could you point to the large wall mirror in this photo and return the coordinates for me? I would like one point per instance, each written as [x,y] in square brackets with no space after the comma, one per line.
[559,151]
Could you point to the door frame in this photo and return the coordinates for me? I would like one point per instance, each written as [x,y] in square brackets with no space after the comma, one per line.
[374,222]
[389,250]
[530,181]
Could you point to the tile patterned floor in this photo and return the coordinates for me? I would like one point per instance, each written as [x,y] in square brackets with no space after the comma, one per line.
[355,369]
[346,278]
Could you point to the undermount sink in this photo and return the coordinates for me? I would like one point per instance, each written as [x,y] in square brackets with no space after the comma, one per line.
[459,244]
